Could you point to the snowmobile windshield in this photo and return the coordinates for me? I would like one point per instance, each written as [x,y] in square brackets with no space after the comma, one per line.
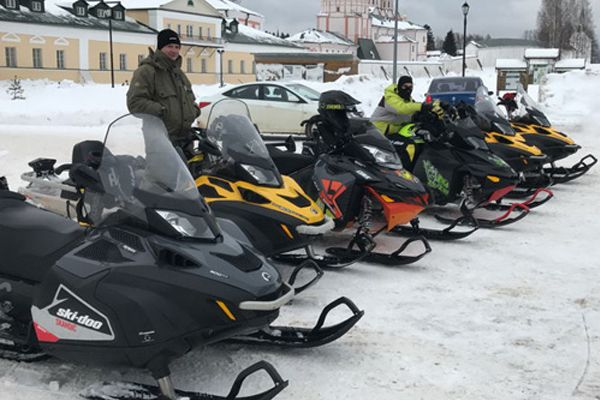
[144,181]
[486,107]
[529,106]
[242,148]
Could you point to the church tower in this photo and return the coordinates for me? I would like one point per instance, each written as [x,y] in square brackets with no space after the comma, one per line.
[350,18]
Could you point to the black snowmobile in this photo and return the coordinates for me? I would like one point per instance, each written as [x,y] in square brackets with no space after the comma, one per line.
[154,278]
[357,175]
[531,123]
[528,161]
[452,158]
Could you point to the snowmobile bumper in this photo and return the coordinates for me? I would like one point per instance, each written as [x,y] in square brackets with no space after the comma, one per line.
[314,230]
[276,304]
[564,174]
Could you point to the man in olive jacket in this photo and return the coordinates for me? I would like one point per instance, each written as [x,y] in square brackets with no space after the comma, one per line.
[159,87]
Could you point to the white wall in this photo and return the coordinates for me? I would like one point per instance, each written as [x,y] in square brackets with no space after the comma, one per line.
[405,53]
[384,69]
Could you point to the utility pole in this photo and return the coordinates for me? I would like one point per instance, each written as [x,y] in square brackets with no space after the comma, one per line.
[395,74]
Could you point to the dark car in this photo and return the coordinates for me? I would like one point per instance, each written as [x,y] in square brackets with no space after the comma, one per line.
[454,90]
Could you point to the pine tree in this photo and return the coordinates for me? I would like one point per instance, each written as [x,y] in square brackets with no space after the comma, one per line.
[15,89]
[449,45]
[430,38]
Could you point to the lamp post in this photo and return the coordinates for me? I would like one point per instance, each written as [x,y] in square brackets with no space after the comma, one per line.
[465,10]
[110,40]
[221,51]
[395,69]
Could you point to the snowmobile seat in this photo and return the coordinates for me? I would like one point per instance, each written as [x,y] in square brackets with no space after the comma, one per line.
[288,162]
[32,239]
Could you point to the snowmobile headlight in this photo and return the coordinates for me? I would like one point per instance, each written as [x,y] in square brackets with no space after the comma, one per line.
[262,176]
[187,225]
[383,157]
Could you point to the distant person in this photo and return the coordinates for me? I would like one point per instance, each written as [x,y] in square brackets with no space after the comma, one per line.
[159,87]
[396,107]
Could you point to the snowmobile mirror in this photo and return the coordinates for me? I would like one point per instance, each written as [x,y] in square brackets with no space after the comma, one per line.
[3,183]
[491,93]
[86,177]
[209,147]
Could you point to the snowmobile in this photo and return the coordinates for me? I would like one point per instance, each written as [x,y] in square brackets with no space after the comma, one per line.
[153,277]
[451,156]
[501,138]
[532,124]
[358,177]
[242,184]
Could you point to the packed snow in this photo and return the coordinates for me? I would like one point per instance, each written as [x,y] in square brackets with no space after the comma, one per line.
[511,313]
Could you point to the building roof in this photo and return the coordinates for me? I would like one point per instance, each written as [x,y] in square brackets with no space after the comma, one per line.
[507,42]
[317,36]
[542,53]
[227,5]
[384,22]
[201,7]
[390,39]
[505,63]
[307,57]
[60,13]
[573,63]
[249,35]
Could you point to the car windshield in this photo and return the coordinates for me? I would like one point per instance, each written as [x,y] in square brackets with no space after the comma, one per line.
[140,170]
[305,91]
[232,130]
[455,85]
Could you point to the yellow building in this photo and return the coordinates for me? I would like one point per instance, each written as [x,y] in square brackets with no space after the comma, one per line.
[62,39]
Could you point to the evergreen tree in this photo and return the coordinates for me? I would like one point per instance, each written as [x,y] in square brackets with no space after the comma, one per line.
[449,45]
[15,89]
[430,38]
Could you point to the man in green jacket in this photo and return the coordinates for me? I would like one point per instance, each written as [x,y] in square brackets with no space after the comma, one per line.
[159,87]
[397,107]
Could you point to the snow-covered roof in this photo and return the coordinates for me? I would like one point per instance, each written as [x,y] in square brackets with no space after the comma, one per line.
[227,5]
[144,4]
[390,39]
[59,12]
[249,35]
[383,22]
[542,53]
[506,63]
[317,36]
[199,7]
[573,63]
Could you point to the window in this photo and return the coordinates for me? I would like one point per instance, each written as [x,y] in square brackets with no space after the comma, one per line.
[179,29]
[11,56]
[80,11]
[119,15]
[242,67]
[36,6]
[168,26]
[200,32]
[140,59]
[190,30]
[254,67]
[188,64]
[11,3]
[208,33]
[244,92]
[277,93]
[123,62]
[37,58]
[60,59]
[230,66]
[103,13]
[203,65]
[102,62]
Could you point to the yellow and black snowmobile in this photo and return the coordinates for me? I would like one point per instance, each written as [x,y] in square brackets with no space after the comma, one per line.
[535,128]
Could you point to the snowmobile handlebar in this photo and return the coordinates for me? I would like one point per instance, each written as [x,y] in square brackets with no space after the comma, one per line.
[270,305]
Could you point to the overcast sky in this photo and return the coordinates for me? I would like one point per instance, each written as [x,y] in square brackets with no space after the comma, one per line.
[499,18]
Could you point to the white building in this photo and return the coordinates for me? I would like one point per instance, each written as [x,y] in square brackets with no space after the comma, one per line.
[489,51]
[245,16]
[324,42]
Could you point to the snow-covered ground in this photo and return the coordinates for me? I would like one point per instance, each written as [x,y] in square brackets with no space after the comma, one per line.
[512,313]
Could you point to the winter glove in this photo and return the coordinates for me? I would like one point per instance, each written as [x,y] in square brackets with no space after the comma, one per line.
[434,107]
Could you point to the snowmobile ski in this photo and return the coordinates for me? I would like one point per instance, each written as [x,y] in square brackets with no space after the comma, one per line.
[564,174]
[305,337]
[137,391]
[445,234]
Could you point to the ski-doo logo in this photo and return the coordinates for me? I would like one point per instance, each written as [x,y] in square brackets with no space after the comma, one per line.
[74,316]
[435,180]
[72,312]
[266,276]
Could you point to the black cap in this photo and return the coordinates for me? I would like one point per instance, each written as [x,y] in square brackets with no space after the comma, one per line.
[167,36]
[404,79]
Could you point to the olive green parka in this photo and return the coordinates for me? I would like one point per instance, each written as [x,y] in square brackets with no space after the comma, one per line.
[159,87]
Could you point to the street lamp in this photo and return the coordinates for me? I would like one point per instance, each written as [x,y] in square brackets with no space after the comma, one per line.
[395,75]
[221,51]
[465,10]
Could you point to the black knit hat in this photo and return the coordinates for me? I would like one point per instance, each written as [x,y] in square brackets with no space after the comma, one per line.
[404,79]
[167,36]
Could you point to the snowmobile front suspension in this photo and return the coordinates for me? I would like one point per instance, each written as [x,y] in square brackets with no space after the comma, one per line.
[445,234]
[563,174]
[306,337]
[165,391]
[307,264]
